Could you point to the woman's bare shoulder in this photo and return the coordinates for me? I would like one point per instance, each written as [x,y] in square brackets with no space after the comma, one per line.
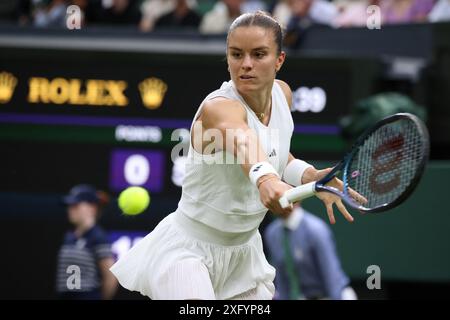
[286,90]
[222,109]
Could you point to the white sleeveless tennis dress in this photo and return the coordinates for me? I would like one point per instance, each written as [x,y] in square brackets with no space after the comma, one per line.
[210,247]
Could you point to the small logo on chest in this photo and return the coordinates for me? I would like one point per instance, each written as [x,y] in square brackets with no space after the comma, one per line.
[273,153]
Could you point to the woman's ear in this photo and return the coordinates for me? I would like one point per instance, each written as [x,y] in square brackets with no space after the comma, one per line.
[280,61]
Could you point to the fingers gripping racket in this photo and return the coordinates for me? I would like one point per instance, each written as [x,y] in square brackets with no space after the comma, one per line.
[384,165]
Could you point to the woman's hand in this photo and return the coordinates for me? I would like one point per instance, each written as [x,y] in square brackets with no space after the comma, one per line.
[271,189]
[330,199]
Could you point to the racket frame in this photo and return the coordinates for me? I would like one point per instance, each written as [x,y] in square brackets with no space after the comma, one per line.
[310,189]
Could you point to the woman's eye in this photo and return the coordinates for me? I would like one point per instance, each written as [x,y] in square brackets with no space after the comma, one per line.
[260,54]
[236,55]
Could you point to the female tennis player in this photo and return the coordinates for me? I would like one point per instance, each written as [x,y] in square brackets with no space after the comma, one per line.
[210,247]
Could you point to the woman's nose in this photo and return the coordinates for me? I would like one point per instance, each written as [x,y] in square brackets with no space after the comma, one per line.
[247,63]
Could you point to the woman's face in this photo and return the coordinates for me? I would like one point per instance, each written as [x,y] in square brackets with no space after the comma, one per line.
[253,58]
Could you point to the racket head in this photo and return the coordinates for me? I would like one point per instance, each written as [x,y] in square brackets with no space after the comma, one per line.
[386,163]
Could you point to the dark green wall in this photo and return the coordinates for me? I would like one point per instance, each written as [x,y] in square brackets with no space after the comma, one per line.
[410,242]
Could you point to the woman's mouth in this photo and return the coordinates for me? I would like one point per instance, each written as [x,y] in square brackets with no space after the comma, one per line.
[246,77]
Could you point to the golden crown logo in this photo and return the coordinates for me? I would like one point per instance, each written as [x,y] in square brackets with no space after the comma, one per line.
[152,92]
[7,84]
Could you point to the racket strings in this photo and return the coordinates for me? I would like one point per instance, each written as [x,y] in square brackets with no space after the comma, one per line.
[386,163]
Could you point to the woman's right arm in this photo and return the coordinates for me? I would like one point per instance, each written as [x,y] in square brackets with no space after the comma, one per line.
[229,118]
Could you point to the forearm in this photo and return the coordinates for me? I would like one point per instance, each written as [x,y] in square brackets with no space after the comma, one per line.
[109,283]
[109,287]
[220,130]
[247,150]
[223,126]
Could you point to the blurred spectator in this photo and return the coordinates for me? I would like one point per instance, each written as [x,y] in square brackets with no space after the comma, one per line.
[181,16]
[321,11]
[353,13]
[314,11]
[440,11]
[282,12]
[271,5]
[253,6]
[405,11]
[85,256]
[306,13]
[52,14]
[301,247]
[152,10]
[219,19]
[114,12]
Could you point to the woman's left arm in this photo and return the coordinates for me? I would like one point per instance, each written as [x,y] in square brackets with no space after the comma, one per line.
[109,282]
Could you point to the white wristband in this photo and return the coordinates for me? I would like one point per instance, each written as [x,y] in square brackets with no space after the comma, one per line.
[293,172]
[260,169]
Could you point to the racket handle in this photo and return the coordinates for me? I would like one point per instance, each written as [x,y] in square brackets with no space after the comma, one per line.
[298,193]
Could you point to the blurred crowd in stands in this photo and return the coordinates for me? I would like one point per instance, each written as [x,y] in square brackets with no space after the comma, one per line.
[215,16]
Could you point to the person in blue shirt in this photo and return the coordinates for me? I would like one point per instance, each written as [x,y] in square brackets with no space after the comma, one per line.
[85,256]
[301,247]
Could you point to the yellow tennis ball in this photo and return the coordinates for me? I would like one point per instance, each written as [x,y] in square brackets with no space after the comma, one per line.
[134,200]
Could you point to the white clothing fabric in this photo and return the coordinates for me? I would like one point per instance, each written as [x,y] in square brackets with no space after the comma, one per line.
[217,20]
[221,195]
[210,247]
[185,259]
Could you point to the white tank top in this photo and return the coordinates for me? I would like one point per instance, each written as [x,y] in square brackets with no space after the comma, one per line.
[221,195]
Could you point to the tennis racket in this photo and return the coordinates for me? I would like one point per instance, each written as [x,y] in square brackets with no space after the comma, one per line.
[385,165]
